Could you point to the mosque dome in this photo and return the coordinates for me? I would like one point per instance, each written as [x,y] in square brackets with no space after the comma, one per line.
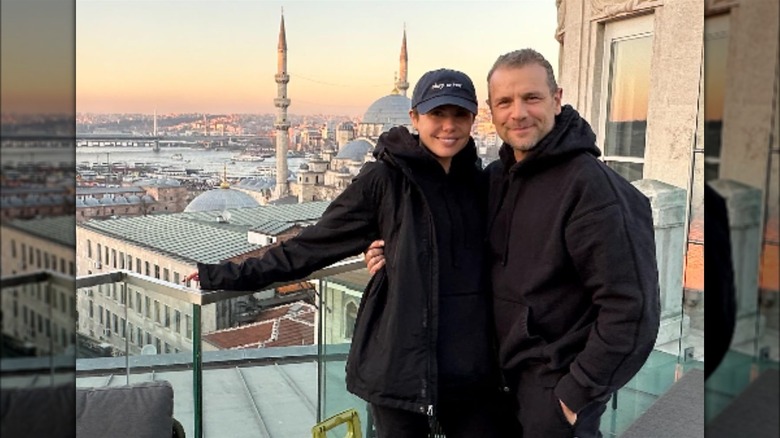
[220,199]
[355,150]
[91,201]
[392,110]
[304,167]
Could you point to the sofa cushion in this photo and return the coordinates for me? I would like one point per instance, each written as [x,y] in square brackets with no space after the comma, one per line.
[135,411]
[37,411]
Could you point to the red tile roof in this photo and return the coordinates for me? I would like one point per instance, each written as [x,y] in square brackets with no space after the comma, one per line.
[277,327]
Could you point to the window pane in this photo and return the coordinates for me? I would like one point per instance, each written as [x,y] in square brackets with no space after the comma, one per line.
[629,83]
[716,39]
[629,171]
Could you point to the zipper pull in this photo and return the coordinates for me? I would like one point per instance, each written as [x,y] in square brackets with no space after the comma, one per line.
[432,426]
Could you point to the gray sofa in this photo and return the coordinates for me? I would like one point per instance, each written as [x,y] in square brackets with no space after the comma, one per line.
[139,410]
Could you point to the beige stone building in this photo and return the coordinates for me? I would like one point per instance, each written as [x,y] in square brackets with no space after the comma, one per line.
[39,316]
[168,248]
[154,196]
[30,202]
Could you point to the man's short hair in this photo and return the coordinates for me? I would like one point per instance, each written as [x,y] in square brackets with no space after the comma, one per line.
[521,58]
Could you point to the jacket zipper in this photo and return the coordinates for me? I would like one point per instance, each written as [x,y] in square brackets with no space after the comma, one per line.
[430,395]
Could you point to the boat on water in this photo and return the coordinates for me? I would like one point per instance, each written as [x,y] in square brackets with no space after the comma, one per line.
[248,157]
[177,157]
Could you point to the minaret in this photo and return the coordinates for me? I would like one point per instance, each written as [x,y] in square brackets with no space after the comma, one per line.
[402,84]
[281,124]
[156,147]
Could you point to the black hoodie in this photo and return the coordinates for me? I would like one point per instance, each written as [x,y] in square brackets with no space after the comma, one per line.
[456,203]
[573,265]
[426,313]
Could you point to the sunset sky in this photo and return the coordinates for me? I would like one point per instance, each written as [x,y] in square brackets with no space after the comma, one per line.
[220,56]
[37,52]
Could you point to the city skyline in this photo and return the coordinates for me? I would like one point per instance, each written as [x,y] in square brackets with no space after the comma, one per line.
[220,57]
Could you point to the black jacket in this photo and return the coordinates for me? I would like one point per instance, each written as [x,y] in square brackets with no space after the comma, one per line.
[720,306]
[573,266]
[393,358]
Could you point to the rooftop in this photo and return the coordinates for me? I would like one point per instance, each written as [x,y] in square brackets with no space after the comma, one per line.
[199,236]
[59,229]
[282,326]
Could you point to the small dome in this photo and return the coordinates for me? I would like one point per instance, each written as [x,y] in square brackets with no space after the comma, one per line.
[344,170]
[221,199]
[355,150]
[106,201]
[91,201]
[147,198]
[80,203]
[133,199]
[120,200]
[304,166]
[392,110]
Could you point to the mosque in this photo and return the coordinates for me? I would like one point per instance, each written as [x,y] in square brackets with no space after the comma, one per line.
[325,175]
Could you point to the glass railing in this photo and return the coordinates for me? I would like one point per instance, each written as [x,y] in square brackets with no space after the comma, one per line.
[133,328]
[38,347]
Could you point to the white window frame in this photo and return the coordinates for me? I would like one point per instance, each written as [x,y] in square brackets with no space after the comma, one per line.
[622,30]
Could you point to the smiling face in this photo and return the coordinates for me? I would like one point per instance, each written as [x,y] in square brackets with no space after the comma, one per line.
[444,130]
[523,106]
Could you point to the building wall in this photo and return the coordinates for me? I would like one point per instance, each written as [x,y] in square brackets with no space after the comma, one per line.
[121,210]
[337,298]
[28,212]
[167,199]
[31,314]
[675,74]
[749,103]
[109,297]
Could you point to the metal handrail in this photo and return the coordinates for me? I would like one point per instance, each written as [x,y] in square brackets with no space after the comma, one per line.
[203,297]
[43,275]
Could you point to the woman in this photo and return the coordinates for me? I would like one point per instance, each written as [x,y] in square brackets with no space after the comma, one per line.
[422,346]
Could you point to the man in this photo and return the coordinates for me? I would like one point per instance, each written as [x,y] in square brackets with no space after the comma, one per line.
[571,257]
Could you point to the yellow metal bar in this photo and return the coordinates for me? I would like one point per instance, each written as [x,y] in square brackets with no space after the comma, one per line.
[350,416]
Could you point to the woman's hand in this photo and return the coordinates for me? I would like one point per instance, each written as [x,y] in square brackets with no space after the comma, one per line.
[192,276]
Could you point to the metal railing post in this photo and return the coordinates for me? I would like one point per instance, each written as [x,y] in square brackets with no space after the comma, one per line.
[197,371]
